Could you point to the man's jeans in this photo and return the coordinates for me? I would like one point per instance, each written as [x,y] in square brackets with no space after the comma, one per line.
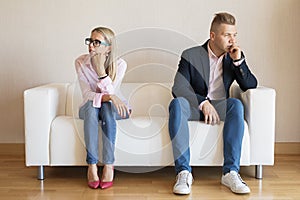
[230,111]
[107,116]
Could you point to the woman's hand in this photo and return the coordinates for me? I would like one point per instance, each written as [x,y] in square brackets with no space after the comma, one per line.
[118,103]
[97,61]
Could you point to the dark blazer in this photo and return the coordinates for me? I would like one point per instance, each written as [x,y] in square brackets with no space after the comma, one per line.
[192,78]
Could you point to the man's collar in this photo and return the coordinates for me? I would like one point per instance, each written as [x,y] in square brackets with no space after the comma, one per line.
[211,54]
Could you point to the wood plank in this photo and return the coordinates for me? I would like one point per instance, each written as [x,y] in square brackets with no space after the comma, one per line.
[17,181]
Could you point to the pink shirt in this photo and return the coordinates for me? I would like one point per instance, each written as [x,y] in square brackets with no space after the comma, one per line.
[216,89]
[91,87]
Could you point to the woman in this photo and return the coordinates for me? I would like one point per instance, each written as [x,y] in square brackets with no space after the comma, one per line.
[100,76]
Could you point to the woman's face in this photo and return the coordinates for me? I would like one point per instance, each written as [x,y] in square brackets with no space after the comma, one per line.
[102,49]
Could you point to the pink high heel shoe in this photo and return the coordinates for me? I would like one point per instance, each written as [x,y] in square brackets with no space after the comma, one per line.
[105,185]
[94,184]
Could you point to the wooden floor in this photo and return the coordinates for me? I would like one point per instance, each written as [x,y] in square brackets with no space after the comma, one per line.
[281,181]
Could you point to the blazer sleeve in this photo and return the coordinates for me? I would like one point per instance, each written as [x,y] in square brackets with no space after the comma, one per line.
[183,86]
[244,76]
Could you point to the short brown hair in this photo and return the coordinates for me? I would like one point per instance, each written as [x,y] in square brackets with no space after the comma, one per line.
[221,18]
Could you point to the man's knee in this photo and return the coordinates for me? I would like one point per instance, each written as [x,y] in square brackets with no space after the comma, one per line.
[236,102]
[236,106]
[179,103]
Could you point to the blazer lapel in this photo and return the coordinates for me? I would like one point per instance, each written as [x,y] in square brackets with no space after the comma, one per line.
[205,69]
[226,69]
[205,63]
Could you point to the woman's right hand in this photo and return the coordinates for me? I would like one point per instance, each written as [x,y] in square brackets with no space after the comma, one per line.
[97,61]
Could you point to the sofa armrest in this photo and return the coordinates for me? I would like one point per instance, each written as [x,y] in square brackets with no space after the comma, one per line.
[259,105]
[41,105]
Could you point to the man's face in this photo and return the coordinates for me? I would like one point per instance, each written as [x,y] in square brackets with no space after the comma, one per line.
[223,38]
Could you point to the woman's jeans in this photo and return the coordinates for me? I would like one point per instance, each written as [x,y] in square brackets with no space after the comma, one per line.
[230,111]
[107,116]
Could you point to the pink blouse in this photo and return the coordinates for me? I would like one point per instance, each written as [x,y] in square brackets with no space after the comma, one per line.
[92,88]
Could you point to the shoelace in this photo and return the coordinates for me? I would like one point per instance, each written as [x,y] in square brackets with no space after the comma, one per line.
[182,178]
[237,179]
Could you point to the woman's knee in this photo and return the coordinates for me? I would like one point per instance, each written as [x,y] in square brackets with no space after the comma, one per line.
[107,111]
[88,111]
[106,106]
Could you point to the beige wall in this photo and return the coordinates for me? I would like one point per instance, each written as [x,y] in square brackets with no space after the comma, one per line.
[40,39]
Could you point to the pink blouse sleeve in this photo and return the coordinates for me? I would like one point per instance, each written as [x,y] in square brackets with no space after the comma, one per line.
[89,83]
[105,85]
[86,90]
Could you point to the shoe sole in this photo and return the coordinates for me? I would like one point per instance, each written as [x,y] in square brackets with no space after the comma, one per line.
[181,192]
[237,192]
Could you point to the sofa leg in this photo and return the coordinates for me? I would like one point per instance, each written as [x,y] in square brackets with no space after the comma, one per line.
[258,171]
[40,175]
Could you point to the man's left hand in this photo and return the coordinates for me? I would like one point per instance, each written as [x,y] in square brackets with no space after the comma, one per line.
[235,52]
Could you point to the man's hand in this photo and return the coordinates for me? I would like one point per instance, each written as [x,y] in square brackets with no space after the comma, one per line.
[118,103]
[97,61]
[235,52]
[210,114]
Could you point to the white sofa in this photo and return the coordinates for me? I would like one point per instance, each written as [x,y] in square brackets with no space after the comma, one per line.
[54,134]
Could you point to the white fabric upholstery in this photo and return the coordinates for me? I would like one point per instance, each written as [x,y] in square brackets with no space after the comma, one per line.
[54,134]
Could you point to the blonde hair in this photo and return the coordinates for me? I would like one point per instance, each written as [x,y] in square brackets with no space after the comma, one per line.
[110,63]
[221,18]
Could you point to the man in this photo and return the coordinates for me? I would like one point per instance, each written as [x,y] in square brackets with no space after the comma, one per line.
[201,92]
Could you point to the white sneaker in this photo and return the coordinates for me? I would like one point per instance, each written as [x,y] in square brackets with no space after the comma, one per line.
[183,183]
[234,181]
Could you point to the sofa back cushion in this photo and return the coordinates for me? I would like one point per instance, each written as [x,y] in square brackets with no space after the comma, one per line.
[148,99]
[145,99]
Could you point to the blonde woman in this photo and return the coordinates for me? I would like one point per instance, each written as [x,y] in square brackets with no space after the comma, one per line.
[100,75]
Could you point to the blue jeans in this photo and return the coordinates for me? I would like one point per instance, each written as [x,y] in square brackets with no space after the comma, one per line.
[231,111]
[107,115]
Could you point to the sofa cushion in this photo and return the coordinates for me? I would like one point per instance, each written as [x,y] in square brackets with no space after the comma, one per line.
[141,141]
